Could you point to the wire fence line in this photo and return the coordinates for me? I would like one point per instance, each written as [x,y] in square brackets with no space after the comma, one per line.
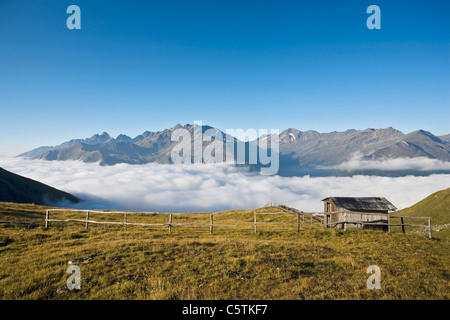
[304,219]
[303,215]
[320,216]
[125,223]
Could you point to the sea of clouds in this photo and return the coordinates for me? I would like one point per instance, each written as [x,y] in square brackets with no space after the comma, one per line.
[211,187]
[357,162]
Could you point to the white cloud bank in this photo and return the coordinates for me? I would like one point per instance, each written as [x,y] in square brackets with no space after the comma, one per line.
[417,164]
[180,188]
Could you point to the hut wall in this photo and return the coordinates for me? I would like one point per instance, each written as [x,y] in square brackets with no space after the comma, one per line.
[329,206]
[357,217]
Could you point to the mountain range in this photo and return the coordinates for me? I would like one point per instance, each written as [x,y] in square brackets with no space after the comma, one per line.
[300,151]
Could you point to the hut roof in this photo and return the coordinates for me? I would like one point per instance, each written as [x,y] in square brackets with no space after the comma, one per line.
[363,203]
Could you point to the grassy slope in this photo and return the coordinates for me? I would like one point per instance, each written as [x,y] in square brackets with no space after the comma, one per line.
[232,263]
[435,206]
[14,187]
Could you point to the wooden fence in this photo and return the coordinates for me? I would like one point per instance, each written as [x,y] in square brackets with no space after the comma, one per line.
[311,215]
[388,223]
[320,216]
[403,225]
[125,223]
[303,219]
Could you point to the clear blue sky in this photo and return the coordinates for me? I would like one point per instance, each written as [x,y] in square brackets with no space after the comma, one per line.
[137,66]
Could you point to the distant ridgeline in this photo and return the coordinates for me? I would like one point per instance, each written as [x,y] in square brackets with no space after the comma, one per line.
[18,189]
[300,152]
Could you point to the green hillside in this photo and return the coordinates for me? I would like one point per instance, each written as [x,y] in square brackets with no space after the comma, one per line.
[435,206]
[18,189]
[233,263]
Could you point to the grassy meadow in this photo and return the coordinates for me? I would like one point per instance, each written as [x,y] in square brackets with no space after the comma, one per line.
[436,206]
[277,262]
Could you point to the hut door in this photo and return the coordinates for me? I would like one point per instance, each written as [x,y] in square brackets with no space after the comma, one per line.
[328,207]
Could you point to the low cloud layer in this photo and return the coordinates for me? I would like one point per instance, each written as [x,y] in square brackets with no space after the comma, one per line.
[210,188]
[399,164]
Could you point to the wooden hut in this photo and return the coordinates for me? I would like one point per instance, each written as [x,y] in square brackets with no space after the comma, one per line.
[357,213]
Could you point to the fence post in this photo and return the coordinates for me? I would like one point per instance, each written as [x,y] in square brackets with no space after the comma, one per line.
[298,222]
[125,221]
[429,227]
[389,223]
[211,224]
[255,221]
[46,219]
[170,223]
[87,219]
[403,226]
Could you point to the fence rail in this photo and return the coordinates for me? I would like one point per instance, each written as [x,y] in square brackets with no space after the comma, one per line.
[402,224]
[125,223]
[303,219]
[388,222]
[298,223]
